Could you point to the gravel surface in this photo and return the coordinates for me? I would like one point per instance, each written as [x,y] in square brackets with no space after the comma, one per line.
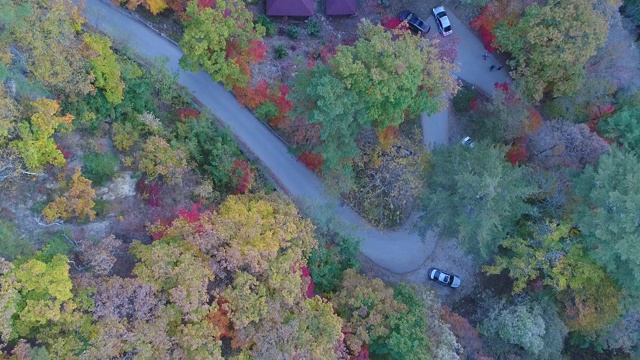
[446,256]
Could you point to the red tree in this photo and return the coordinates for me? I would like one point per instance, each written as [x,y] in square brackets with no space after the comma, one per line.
[283,104]
[517,153]
[242,175]
[311,161]
[188,113]
[192,215]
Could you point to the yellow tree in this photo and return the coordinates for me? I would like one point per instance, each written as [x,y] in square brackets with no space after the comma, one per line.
[155,6]
[78,201]
[53,52]
[551,44]
[37,292]
[158,158]
[36,146]
[106,68]
[208,34]
[589,295]
[8,115]
[366,305]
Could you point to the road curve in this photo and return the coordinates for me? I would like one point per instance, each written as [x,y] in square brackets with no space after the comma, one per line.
[398,251]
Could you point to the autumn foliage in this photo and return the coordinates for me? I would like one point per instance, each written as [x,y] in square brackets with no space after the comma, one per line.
[243,176]
[313,161]
[78,201]
[36,145]
[149,190]
[517,153]
[466,334]
[188,113]
[484,25]
[492,14]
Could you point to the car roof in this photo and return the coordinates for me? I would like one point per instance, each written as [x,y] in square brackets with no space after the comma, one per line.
[445,21]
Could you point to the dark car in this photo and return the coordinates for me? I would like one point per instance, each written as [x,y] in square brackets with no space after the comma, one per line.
[444,278]
[442,20]
[415,22]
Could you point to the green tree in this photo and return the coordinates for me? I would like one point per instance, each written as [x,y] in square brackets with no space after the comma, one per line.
[209,32]
[520,325]
[322,98]
[213,150]
[553,255]
[36,145]
[328,262]
[105,66]
[631,8]
[12,244]
[393,76]
[533,326]
[623,126]
[408,338]
[551,44]
[34,294]
[475,195]
[607,215]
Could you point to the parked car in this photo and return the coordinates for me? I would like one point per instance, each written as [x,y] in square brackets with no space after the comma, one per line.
[442,20]
[444,278]
[415,22]
[467,141]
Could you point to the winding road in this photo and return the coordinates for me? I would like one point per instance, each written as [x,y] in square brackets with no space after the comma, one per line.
[398,251]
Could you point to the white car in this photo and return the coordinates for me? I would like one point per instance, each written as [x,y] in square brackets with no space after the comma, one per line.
[442,20]
[467,141]
[444,278]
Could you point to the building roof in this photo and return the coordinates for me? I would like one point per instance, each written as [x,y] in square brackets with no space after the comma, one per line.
[341,7]
[290,7]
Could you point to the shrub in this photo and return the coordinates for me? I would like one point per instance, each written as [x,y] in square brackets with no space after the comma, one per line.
[101,207]
[462,100]
[100,168]
[267,111]
[56,245]
[279,52]
[313,28]
[124,136]
[269,26]
[293,32]
[12,245]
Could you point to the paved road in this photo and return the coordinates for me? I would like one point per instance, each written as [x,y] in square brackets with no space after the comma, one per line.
[398,251]
[472,68]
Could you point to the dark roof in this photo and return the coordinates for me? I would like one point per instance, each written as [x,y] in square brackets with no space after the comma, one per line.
[290,7]
[341,7]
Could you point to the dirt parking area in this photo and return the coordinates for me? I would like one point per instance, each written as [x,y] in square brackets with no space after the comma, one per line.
[446,256]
